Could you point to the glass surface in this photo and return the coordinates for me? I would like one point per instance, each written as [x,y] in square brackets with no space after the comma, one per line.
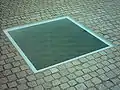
[54,42]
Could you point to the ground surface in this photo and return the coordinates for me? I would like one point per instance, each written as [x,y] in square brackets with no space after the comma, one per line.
[99,71]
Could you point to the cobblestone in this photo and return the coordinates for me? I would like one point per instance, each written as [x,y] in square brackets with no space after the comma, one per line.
[64,86]
[98,71]
[12,84]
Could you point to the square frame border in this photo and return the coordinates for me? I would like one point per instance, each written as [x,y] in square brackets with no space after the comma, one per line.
[47,21]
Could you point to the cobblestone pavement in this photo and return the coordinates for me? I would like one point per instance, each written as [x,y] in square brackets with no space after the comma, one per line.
[98,71]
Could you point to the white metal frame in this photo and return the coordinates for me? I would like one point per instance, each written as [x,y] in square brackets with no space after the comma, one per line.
[28,61]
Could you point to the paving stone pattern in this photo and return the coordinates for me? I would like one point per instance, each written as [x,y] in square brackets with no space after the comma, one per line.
[98,71]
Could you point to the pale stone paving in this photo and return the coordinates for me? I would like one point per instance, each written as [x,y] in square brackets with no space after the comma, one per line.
[98,71]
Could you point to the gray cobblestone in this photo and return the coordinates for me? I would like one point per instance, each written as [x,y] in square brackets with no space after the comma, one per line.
[64,79]
[31,78]
[7,66]
[21,74]
[80,79]
[48,78]
[72,82]
[108,84]
[96,80]
[89,83]
[12,77]
[56,88]
[110,74]
[55,82]
[12,84]
[22,87]
[16,69]
[64,86]
[87,77]
[71,76]
[32,84]
[21,81]
[80,86]
[16,63]
[40,87]
[40,81]
[71,88]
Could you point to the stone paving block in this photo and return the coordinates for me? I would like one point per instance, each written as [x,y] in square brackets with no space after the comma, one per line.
[71,76]
[94,74]
[103,77]
[64,72]
[3,57]
[11,55]
[71,88]
[93,68]
[16,63]
[12,84]
[68,65]
[7,66]
[115,87]
[105,63]
[64,79]
[108,84]
[72,82]
[48,78]
[21,81]
[9,60]
[85,65]
[55,82]
[3,87]
[56,75]
[96,80]
[1,68]
[80,79]
[24,67]
[31,78]
[64,86]
[71,70]
[101,87]
[87,77]
[22,87]
[96,55]
[79,67]
[90,57]
[83,60]
[55,88]
[12,77]
[3,80]
[86,70]
[92,88]
[116,71]
[54,70]
[92,62]
[40,87]
[115,80]
[18,57]
[16,69]
[75,62]
[7,72]
[81,87]
[100,71]
[99,65]
[106,69]
[47,85]
[89,83]
[79,73]
[112,66]
[39,75]
[21,74]
[110,74]
[47,72]
[2,62]
[32,83]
